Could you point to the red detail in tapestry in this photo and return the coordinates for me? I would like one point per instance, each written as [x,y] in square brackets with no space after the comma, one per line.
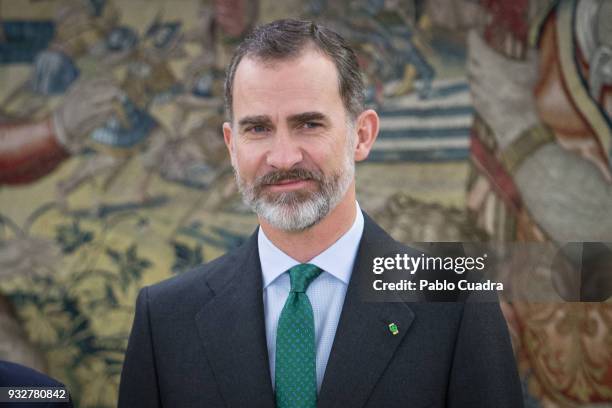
[28,151]
[500,179]
[507,16]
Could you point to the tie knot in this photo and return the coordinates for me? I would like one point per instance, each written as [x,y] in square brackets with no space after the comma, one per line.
[302,276]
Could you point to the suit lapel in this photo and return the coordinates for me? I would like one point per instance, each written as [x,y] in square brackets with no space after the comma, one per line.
[232,329]
[363,344]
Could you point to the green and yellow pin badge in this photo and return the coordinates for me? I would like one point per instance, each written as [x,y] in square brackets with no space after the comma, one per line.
[393,329]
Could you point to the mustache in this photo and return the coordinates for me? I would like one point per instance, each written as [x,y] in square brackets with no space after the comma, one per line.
[275,177]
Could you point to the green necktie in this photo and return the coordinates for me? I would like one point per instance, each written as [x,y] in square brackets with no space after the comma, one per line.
[296,372]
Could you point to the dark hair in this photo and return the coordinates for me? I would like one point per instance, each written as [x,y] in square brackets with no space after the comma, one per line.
[285,39]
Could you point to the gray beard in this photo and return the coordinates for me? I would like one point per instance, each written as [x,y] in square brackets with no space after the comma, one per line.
[297,211]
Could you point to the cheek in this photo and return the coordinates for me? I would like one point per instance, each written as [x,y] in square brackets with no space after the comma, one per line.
[328,158]
[249,161]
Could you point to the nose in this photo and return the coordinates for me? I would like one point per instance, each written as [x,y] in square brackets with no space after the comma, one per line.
[284,153]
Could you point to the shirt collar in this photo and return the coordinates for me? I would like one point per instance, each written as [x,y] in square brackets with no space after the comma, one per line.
[336,260]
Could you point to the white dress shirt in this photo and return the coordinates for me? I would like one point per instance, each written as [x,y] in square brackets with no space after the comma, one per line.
[326,293]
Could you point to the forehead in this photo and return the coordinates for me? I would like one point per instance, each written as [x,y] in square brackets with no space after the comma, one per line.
[305,83]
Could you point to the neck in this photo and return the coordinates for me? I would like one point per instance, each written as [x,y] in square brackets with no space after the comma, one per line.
[305,245]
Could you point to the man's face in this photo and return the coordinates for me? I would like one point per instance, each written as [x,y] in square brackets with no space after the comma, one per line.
[290,141]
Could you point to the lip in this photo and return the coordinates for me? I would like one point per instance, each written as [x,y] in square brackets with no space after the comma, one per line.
[289,185]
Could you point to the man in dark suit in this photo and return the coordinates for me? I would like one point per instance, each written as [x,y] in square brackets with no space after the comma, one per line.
[282,321]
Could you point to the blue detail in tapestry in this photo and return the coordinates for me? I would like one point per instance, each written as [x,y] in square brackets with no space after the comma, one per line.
[121,38]
[136,127]
[22,40]
[97,7]
[53,73]
[433,130]
[186,257]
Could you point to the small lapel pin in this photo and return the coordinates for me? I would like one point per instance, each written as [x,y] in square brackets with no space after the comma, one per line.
[393,329]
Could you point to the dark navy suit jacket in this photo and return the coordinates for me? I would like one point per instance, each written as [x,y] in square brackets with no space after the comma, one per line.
[15,375]
[199,340]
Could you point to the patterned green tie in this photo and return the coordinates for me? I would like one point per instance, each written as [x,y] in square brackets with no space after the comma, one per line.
[296,373]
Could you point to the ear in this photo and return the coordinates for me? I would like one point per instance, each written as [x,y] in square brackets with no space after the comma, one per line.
[367,125]
[227,137]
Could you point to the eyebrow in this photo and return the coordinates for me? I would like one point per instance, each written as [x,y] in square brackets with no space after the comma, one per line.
[257,120]
[307,117]
[264,120]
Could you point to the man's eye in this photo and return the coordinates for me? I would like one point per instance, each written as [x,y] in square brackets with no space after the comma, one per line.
[257,129]
[311,125]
